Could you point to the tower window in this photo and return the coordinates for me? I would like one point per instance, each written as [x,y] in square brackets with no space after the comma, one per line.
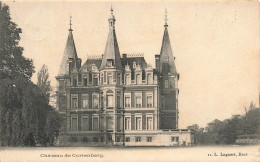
[166,84]
[109,79]
[109,101]
[95,101]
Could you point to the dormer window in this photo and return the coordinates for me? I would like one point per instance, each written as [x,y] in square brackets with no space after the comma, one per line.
[134,64]
[110,62]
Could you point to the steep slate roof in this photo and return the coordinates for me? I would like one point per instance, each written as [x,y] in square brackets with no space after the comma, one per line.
[125,60]
[88,64]
[112,49]
[69,52]
[166,55]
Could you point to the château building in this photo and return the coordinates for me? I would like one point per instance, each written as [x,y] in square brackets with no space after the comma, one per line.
[115,99]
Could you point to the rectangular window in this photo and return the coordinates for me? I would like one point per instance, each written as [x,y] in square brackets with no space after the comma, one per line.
[102,139]
[173,139]
[85,139]
[138,100]
[84,124]
[149,123]
[95,139]
[137,139]
[127,139]
[74,139]
[138,79]
[85,81]
[127,101]
[166,84]
[109,79]
[95,101]
[95,123]
[118,126]
[127,123]
[149,79]
[149,139]
[85,98]
[95,81]
[177,139]
[110,123]
[138,123]
[127,79]
[74,124]
[109,101]
[118,139]
[149,101]
[118,101]
[74,81]
[118,79]
[74,103]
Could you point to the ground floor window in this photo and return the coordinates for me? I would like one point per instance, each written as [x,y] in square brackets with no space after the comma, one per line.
[118,139]
[137,139]
[85,139]
[175,139]
[74,139]
[149,139]
[127,139]
[95,139]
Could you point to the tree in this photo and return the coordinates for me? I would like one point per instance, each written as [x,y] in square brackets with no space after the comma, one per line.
[13,63]
[43,82]
[24,106]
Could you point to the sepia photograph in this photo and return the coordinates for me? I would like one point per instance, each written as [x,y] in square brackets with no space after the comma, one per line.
[129,80]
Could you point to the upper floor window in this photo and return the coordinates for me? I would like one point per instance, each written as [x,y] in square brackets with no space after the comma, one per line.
[127,79]
[138,79]
[85,81]
[74,101]
[127,123]
[109,100]
[149,99]
[118,101]
[149,123]
[138,100]
[149,79]
[166,83]
[138,123]
[95,101]
[74,81]
[95,81]
[109,78]
[127,101]
[85,99]
[118,79]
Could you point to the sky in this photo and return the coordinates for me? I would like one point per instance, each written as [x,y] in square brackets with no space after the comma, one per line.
[216,45]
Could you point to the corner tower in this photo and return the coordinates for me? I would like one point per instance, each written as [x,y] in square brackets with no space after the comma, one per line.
[68,71]
[111,89]
[168,79]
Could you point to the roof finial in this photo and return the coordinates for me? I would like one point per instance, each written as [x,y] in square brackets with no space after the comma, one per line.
[111,10]
[70,24]
[166,19]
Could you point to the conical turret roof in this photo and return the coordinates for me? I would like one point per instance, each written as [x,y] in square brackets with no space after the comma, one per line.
[112,50]
[69,53]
